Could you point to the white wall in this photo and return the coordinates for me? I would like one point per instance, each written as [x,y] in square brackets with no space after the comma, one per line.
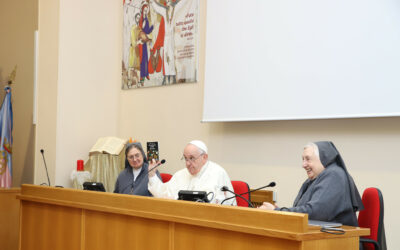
[259,152]
[89,68]
[79,71]
[273,54]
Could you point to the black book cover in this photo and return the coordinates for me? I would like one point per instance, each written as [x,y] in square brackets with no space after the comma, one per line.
[152,151]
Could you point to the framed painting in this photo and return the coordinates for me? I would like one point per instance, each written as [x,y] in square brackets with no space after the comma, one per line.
[160,43]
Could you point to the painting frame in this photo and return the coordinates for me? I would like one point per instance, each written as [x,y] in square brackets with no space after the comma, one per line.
[160,43]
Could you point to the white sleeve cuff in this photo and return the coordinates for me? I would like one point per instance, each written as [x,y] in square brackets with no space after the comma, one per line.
[153,179]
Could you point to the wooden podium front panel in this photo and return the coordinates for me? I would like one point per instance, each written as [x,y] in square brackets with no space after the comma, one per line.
[9,218]
[50,227]
[114,231]
[332,244]
[58,219]
[200,238]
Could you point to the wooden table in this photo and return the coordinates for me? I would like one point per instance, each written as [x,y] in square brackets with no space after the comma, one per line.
[259,196]
[9,218]
[58,218]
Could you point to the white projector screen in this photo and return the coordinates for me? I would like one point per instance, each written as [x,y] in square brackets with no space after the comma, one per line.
[306,59]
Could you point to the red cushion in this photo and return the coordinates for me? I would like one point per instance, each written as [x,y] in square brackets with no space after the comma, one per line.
[165,177]
[241,187]
[369,217]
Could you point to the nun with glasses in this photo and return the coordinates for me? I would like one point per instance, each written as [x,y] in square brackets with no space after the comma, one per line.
[134,178]
[329,193]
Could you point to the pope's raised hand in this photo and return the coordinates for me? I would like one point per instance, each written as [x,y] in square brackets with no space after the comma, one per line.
[152,170]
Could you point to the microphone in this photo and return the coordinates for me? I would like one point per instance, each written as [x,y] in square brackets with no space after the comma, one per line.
[225,188]
[158,164]
[271,184]
[47,172]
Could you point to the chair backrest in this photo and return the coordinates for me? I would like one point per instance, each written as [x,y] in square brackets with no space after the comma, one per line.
[372,217]
[165,177]
[241,187]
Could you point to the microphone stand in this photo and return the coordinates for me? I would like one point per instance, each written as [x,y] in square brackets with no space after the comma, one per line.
[272,184]
[248,202]
[157,165]
[45,165]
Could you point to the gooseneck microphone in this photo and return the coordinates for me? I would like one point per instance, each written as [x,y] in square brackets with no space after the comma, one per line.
[225,188]
[47,172]
[271,184]
[158,164]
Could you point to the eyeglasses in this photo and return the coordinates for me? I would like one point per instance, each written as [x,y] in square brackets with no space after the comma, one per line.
[190,159]
[132,157]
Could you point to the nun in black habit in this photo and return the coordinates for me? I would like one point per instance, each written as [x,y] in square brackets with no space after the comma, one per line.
[331,194]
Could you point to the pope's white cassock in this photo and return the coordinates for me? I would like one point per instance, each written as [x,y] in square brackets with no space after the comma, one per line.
[211,178]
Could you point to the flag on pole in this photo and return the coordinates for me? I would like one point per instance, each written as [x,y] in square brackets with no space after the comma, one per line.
[6,126]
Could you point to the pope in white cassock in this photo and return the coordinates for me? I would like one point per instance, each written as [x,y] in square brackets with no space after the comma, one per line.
[200,174]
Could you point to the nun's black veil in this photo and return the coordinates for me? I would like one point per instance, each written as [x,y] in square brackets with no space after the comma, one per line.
[330,157]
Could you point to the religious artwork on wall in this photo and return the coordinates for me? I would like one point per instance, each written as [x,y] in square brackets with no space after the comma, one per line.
[160,42]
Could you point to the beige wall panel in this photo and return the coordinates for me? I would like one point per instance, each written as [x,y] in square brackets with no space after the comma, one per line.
[18,21]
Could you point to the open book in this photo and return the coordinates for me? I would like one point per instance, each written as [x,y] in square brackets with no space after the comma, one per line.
[108,145]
